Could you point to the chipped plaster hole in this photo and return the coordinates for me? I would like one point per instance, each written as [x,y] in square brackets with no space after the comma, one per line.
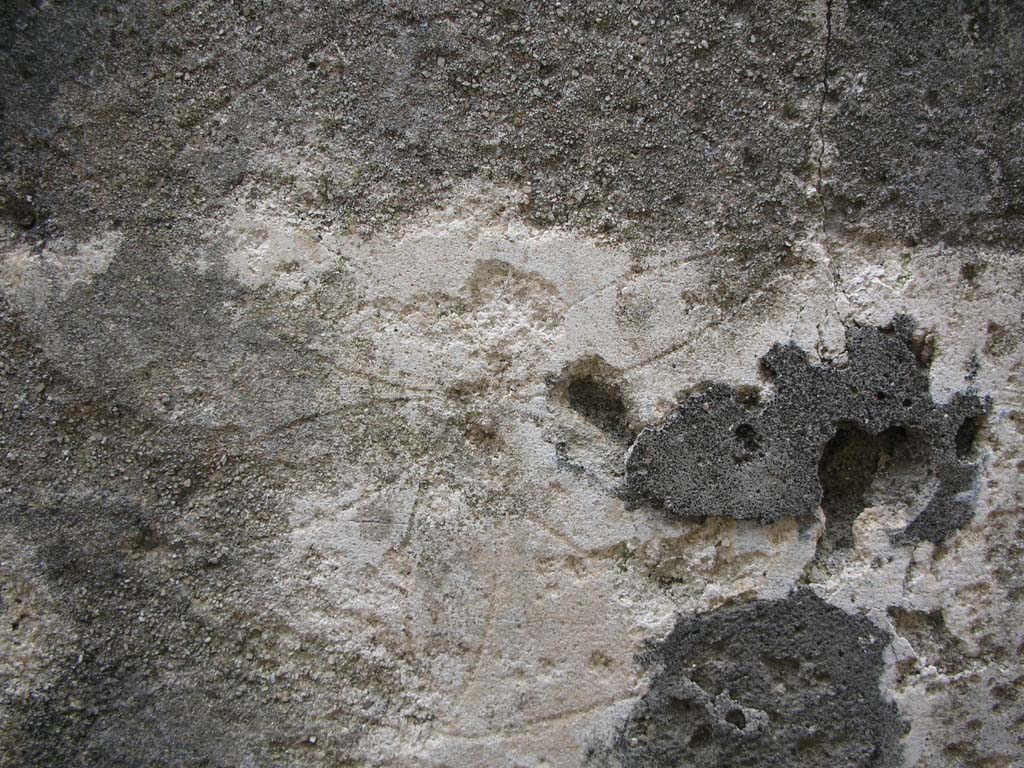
[599,402]
[857,468]
[590,390]
[846,469]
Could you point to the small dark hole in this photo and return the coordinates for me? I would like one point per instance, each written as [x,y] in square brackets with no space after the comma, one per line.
[966,435]
[880,395]
[17,210]
[748,435]
[748,441]
[737,718]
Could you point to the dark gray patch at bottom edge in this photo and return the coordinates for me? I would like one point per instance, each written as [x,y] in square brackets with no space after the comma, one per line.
[791,682]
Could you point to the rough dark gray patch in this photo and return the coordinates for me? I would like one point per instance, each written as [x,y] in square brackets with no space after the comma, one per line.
[924,120]
[791,682]
[704,119]
[102,497]
[622,118]
[721,454]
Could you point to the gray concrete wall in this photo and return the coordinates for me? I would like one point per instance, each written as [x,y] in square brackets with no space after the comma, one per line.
[521,384]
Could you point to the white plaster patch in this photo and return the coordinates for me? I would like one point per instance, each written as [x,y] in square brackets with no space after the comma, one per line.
[265,249]
[33,277]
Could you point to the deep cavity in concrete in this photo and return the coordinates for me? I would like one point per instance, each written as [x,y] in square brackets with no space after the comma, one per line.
[721,454]
[856,468]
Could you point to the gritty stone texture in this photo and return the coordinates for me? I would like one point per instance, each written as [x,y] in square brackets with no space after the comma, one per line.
[325,329]
[791,682]
[613,117]
[922,127]
[723,453]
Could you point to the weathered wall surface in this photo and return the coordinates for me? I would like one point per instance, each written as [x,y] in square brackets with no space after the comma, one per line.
[520,384]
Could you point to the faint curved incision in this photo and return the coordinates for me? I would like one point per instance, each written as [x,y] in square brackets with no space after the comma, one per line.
[725,453]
